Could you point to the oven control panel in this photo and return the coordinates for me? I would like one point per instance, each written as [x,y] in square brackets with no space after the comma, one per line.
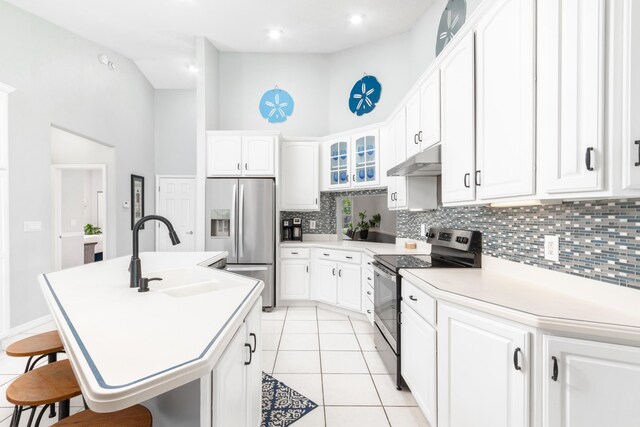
[464,240]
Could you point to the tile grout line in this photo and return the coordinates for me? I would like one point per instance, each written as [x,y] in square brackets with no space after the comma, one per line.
[371,376]
[324,401]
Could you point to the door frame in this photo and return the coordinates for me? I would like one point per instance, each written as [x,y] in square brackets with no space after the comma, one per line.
[157,208]
[5,287]
[56,170]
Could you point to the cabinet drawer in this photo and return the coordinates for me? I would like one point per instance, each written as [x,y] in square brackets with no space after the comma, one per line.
[294,253]
[367,261]
[339,256]
[367,308]
[419,301]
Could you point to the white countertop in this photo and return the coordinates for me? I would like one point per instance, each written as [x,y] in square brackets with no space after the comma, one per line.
[540,298]
[125,346]
[371,248]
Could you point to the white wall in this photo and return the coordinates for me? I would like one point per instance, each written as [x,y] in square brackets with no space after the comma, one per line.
[175,132]
[388,60]
[244,77]
[59,81]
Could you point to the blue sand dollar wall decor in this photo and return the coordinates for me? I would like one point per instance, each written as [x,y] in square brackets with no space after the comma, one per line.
[452,18]
[365,95]
[276,105]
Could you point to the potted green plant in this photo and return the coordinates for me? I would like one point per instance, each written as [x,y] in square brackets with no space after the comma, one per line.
[363,225]
[374,222]
[90,230]
[351,232]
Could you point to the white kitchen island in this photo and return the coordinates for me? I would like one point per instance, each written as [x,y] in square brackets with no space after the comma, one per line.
[162,347]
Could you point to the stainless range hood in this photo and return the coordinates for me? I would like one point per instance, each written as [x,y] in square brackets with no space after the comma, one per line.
[425,163]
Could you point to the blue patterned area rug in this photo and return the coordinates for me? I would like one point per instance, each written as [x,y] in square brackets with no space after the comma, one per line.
[282,405]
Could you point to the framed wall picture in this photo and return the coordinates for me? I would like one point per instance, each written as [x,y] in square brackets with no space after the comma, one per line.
[137,199]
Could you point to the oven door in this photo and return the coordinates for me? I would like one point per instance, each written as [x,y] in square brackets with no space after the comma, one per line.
[386,304]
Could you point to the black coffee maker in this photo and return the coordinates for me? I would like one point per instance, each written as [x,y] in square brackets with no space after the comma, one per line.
[291,230]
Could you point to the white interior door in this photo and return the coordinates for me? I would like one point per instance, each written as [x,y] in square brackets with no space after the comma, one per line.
[70,216]
[176,202]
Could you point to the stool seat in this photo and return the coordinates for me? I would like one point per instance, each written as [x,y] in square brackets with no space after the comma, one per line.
[45,343]
[135,416]
[50,383]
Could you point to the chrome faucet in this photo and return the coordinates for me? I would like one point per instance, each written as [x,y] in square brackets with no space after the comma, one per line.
[135,269]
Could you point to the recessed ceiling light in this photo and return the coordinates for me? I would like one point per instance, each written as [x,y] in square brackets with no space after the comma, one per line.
[192,69]
[104,60]
[356,19]
[275,34]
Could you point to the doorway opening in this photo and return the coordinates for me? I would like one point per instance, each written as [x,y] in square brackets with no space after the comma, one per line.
[80,214]
[176,201]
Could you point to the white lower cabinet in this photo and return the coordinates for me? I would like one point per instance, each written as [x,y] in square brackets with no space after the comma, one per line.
[349,287]
[590,384]
[237,377]
[483,371]
[324,282]
[337,283]
[294,279]
[418,361]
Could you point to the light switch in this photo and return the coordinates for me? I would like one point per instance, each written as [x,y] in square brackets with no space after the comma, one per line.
[32,226]
[312,225]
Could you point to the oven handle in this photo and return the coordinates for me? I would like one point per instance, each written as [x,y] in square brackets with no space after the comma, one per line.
[382,271]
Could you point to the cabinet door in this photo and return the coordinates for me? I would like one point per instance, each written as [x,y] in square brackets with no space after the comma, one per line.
[254,369]
[458,129]
[413,125]
[224,155]
[596,383]
[631,91]
[478,380]
[230,383]
[570,116]
[505,92]
[418,361]
[340,164]
[430,111]
[258,153]
[349,287]
[388,151]
[325,279]
[294,279]
[365,170]
[400,132]
[299,180]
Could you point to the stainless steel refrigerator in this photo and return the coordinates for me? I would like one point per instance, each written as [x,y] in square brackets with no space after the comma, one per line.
[241,220]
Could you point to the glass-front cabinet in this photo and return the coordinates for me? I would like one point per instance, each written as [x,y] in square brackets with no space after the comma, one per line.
[340,164]
[354,161]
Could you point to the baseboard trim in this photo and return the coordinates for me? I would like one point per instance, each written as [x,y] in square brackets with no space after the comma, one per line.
[23,328]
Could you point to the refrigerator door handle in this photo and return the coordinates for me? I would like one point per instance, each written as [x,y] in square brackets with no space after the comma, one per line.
[241,224]
[232,231]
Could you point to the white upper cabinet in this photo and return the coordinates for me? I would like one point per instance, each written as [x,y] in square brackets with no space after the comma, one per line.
[224,155]
[589,384]
[299,176]
[365,170]
[631,95]
[458,119]
[571,76]
[412,137]
[258,155]
[339,163]
[237,155]
[429,133]
[483,371]
[505,94]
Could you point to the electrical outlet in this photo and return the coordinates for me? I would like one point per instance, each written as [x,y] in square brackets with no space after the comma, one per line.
[552,248]
[312,225]
[423,229]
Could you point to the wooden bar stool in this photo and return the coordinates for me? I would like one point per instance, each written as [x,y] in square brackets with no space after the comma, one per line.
[135,416]
[44,386]
[47,344]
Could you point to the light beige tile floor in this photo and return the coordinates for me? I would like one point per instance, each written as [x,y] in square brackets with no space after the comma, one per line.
[331,359]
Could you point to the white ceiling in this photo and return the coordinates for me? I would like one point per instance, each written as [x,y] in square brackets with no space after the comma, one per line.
[159,35]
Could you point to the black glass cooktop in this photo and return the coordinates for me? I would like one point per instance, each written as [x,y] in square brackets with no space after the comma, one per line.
[396,262]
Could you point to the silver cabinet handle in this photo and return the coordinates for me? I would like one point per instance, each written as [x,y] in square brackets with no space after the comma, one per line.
[190,233]
[412,298]
[241,224]
[238,166]
[368,292]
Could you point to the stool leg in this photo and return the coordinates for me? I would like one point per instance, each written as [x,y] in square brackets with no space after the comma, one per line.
[63,410]
[26,368]
[42,411]
[52,358]
[33,413]
[15,418]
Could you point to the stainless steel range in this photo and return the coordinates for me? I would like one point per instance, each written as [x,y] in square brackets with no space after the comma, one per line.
[450,248]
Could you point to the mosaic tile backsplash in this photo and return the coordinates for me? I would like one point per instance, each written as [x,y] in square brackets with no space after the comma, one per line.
[598,239]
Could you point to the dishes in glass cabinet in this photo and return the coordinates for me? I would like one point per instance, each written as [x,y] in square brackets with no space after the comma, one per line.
[370,149]
[361,174]
[334,178]
[334,154]
[343,176]
[371,173]
[343,154]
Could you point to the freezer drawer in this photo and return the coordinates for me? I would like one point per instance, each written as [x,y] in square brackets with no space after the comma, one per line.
[260,272]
